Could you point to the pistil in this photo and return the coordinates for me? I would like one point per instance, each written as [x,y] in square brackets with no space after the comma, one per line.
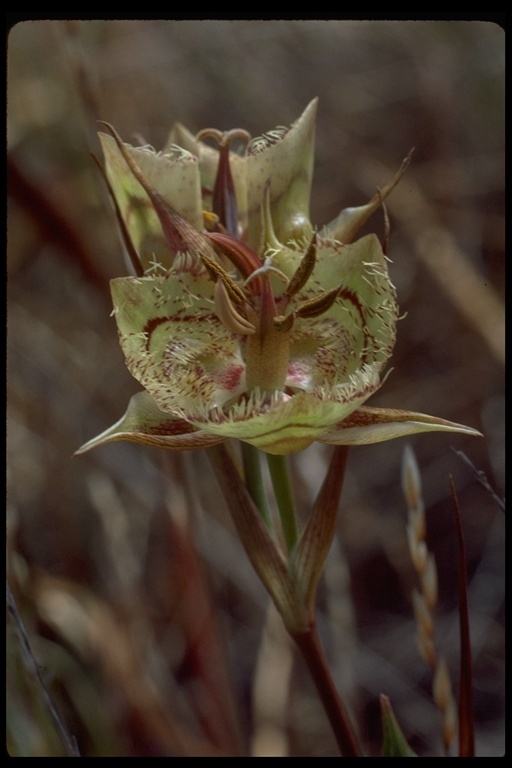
[224,196]
[266,348]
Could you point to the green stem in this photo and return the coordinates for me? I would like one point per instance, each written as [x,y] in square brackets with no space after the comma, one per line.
[251,458]
[266,557]
[284,498]
[279,579]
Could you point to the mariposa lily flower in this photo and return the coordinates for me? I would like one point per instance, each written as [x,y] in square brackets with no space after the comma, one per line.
[242,321]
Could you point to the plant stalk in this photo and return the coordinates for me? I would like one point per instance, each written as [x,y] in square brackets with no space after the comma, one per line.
[313,654]
[293,599]
[251,459]
[284,498]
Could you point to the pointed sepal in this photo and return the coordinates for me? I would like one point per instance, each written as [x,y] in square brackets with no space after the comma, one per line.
[374,425]
[145,423]
[309,557]
[347,224]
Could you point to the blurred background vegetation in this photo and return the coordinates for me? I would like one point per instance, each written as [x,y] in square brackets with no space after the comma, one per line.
[152,633]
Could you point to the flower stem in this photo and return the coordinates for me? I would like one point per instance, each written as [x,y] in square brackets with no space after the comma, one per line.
[251,459]
[293,599]
[313,654]
[284,498]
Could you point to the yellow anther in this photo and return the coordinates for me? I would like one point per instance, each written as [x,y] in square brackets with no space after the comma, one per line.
[210,221]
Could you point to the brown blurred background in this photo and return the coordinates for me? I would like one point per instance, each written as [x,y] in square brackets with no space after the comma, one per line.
[152,632]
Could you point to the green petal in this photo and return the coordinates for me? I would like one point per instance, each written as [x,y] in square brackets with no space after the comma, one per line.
[374,425]
[174,343]
[174,176]
[358,329]
[283,157]
[282,424]
[145,423]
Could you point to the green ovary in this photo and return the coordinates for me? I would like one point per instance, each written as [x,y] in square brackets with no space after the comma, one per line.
[266,360]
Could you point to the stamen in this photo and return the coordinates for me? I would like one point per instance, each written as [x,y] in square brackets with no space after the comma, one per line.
[217,272]
[319,304]
[227,313]
[210,221]
[284,323]
[304,270]
[239,254]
